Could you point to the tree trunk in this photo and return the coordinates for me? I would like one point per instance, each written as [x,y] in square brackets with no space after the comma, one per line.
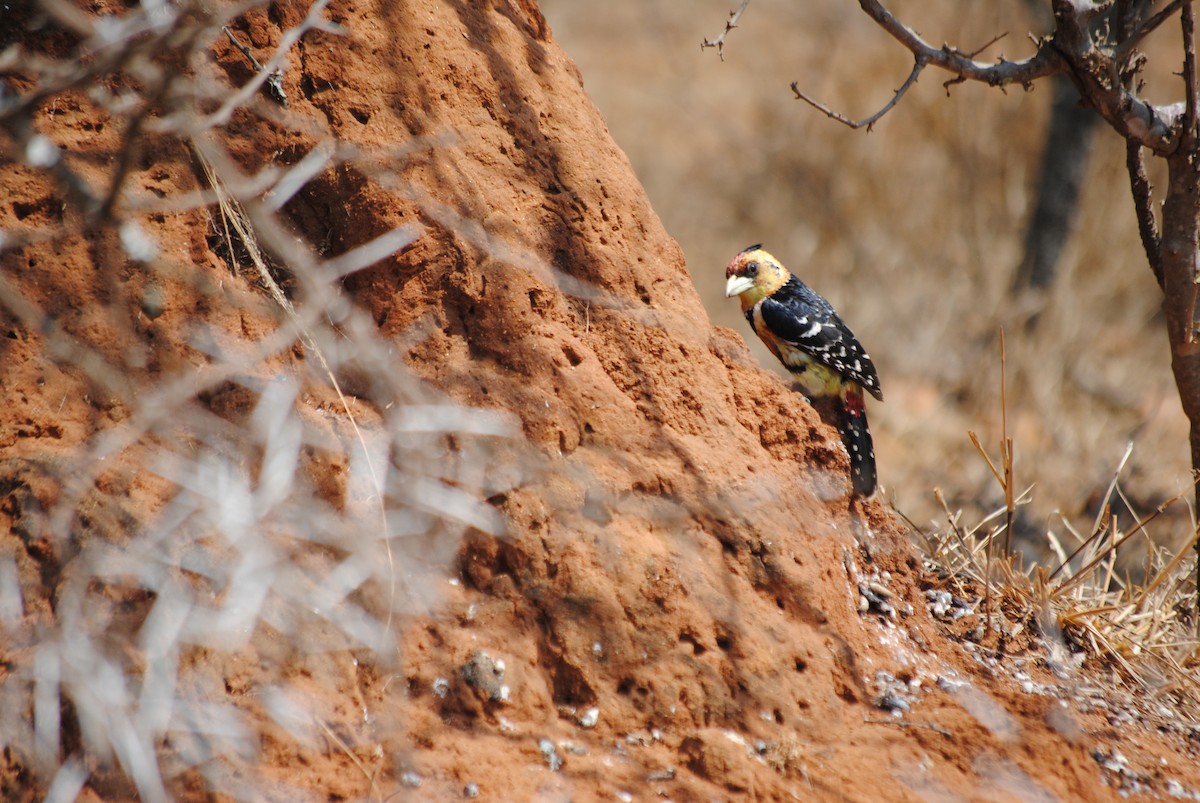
[1181,251]
[1064,163]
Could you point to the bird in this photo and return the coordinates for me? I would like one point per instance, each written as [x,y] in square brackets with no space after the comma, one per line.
[812,341]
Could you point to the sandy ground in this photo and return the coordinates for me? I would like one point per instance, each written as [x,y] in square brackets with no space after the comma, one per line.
[680,602]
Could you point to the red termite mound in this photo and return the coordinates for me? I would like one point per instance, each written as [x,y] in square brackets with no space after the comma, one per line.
[685,602]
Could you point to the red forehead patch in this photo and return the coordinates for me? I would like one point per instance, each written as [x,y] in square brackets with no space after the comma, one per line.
[735,267]
[738,263]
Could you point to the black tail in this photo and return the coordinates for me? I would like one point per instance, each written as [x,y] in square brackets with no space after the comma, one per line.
[856,436]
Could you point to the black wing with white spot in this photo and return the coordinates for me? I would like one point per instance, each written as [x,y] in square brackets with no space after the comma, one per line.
[797,315]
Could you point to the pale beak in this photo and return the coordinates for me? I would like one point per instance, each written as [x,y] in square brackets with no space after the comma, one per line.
[738,285]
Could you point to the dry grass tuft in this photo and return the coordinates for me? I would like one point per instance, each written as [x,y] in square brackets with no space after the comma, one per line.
[1097,606]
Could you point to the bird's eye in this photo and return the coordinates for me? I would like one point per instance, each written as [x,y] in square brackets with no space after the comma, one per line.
[752,269]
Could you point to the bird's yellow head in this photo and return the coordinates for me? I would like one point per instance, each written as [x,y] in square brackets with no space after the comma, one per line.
[753,275]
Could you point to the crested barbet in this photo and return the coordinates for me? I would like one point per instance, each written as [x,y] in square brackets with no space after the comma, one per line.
[814,343]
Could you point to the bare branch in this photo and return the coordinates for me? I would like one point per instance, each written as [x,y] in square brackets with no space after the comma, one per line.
[1045,62]
[988,44]
[1071,50]
[956,80]
[1192,332]
[274,83]
[1143,207]
[959,79]
[730,24]
[129,149]
[1148,27]
[1089,13]
[1188,23]
[131,143]
[866,122]
[1127,16]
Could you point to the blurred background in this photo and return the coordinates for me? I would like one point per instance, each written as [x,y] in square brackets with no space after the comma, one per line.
[914,231]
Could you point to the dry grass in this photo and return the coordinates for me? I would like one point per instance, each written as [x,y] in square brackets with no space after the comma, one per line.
[1113,595]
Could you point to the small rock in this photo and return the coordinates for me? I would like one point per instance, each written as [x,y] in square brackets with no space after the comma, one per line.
[889,701]
[485,673]
[553,760]
[875,602]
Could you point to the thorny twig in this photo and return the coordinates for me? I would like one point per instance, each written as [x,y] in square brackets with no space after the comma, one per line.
[1070,49]
[867,122]
[274,82]
[986,45]
[313,20]
[730,24]
[1004,72]
[959,79]
[1188,23]
[924,57]
[1139,185]
[1125,49]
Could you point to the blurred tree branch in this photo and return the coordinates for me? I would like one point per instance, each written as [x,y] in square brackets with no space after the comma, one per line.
[866,122]
[730,24]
